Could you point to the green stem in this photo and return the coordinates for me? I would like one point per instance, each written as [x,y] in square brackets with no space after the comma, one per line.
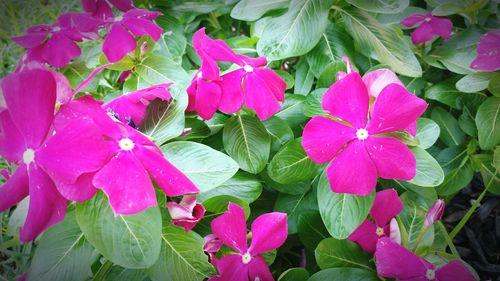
[103,271]
[448,239]
[420,237]
[469,213]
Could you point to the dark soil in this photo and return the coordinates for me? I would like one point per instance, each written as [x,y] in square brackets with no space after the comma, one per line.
[479,241]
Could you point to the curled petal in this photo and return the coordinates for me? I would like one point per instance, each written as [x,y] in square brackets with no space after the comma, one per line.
[231,228]
[435,213]
[395,233]
[377,80]
[187,213]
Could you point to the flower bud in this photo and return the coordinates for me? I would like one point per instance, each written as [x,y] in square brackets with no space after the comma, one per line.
[186,213]
[395,233]
[435,213]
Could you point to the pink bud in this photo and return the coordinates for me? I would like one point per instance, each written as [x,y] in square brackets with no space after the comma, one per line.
[435,213]
[124,76]
[212,245]
[186,213]
[144,49]
[395,233]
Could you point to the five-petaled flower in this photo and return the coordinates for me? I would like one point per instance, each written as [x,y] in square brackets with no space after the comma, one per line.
[385,207]
[395,261]
[430,27]
[269,231]
[186,213]
[488,52]
[25,124]
[359,153]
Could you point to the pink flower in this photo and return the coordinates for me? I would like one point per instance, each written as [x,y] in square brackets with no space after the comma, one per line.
[131,107]
[120,40]
[269,231]
[385,207]
[430,27]
[90,148]
[395,261]
[260,89]
[186,213]
[359,153]
[102,8]
[55,44]
[24,126]
[212,245]
[435,213]
[488,52]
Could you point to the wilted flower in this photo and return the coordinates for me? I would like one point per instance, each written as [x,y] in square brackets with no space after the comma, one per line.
[25,124]
[488,52]
[430,27]
[435,213]
[365,155]
[269,231]
[186,213]
[395,261]
[385,207]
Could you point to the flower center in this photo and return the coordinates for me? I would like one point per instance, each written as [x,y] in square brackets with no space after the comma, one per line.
[126,144]
[28,156]
[199,75]
[380,231]
[427,19]
[430,274]
[246,258]
[248,68]
[56,29]
[362,134]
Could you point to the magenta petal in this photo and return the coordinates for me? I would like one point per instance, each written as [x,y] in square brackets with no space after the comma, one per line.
[59,50]
[395,261]
[208,96]
[259,97]
[377,80]
[64,91]
[14,189]
[412,129]
[141,14]
[347,99]
[131,190]
[323,138]
[423,33]
[386,206]
[393,159]
[454,270]
[12,144]
[31,108]
[269,231]
[231,268]
[353,171]
[90,78]
[118,43]
[231,228]
[414,19]
[78,149]
[441,26]
[141,27]
[258,270]
[395,109]
[486,62]
[273,81]
[488,50]
[30,40]
[80,191]
[47,207]
[122,5]
[365,236]
[172,181]
[98,8]
[232,91]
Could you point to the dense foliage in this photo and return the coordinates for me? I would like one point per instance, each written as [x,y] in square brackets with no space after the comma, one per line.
[244,140]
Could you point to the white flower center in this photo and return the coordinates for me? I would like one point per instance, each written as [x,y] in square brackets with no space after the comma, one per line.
[362,134]
[126,144]
[248,68]
[199,75]
[28,156]
[379,231]
[56,29]
[427,19]
[430,274]
[246,258]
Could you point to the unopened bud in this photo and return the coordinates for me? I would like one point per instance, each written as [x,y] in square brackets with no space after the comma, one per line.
[435,213]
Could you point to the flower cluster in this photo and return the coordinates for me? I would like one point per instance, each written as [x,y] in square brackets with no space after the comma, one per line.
[56,44]
[257,88]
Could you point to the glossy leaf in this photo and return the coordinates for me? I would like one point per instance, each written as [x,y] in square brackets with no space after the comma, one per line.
[341,253]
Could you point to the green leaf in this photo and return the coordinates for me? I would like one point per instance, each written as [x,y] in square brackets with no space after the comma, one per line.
[173,42]
[429,173]
[381,6]
[494,87]
[451,134]
[328,76]
[341,213]
[311,229]
[292,110]
[381,42]
[250,10]
[312,106]
[218,204]
[206,167]
[343,274]
[488,123]
[118,273]
[291,164]
[456,179]
[246,140]
[63,254]
[445,92]
[296,32]
[181,257]
[131,241]
[279,131]
[160,69]
[476,82]
[341,253]
[304,78]
[413,216]
[242,185]
[294,205]
[427,132]
[294,274]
